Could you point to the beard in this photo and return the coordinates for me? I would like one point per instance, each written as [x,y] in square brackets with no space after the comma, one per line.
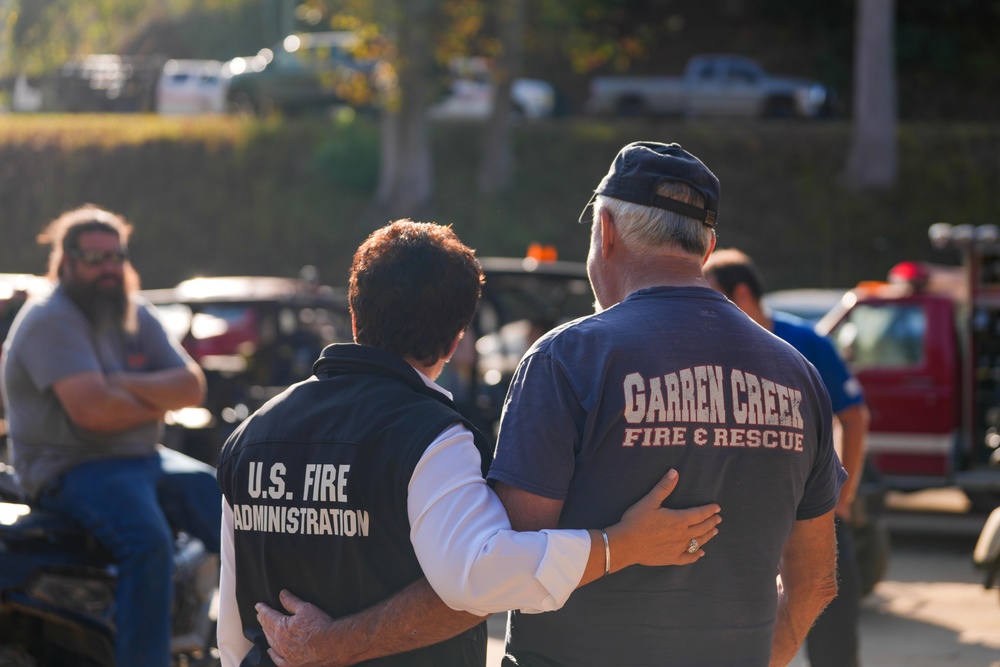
[104,302]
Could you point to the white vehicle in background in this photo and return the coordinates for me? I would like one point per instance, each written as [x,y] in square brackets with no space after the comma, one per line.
[473,89]
[811,304]
[192,87]
[712,85]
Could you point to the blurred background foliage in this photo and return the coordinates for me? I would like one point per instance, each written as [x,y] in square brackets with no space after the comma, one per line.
[946,52]
[223,195]
[227,195]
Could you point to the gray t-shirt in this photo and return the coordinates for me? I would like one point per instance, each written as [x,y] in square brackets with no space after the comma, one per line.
[601,408]
[51,339]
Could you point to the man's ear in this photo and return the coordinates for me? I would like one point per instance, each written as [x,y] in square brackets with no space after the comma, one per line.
[609,234]
[711,248]
[454,345]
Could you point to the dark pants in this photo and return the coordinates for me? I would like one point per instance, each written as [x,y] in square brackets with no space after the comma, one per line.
[833,640]
[132,506]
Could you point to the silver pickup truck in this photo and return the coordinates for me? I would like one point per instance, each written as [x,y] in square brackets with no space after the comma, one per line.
[712,85]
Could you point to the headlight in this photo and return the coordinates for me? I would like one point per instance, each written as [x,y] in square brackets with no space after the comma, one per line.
[810,99]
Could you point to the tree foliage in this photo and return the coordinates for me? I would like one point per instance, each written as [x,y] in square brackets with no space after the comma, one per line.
[42,34]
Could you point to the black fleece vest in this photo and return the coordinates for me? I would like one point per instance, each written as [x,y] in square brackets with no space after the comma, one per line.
[317,479]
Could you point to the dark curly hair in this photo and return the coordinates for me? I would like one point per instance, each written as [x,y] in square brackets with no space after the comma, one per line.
[414,287]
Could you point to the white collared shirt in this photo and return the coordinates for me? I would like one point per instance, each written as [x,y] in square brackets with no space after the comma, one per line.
[463,541]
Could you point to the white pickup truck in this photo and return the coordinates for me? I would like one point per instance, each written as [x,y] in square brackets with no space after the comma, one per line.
[712,85]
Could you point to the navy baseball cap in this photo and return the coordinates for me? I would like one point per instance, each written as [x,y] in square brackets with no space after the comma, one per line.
[641,166]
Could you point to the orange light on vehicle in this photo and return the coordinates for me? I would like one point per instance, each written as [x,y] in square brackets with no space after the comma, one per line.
[542,253]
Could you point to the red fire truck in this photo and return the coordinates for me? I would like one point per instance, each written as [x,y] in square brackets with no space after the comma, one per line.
[925,346]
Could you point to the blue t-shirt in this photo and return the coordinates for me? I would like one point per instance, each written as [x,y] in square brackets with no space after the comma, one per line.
[844,388]
[601,408]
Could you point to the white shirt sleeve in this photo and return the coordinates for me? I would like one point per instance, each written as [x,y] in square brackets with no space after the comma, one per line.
[233,646]
[466,547]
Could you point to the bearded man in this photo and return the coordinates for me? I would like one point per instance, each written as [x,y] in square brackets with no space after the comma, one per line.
[88,372]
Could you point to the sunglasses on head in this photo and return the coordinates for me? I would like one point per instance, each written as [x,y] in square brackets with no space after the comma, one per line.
[99,257]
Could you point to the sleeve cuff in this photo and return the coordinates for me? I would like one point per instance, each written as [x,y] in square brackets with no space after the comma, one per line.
[562,566]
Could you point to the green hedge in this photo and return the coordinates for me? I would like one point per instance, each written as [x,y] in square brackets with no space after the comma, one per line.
[221,195]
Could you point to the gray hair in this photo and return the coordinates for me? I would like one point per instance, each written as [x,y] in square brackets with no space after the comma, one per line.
[648,229]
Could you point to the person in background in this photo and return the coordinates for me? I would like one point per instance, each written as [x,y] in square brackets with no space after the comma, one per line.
[833,640]
[669,374]
[362,490]
[88,372]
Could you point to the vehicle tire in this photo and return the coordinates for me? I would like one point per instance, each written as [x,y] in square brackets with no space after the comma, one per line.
[779,107]
[631,106]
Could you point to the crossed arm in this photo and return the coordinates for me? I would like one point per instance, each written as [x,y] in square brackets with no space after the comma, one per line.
[121,401]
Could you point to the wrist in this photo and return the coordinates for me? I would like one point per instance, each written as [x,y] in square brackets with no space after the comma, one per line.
[617,548]
[607,552]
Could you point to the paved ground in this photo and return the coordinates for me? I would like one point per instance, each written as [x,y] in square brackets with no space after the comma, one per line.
[931,609]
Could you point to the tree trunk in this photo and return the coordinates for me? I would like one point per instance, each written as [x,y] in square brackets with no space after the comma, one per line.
[406,179]
[872,162]
[496,169]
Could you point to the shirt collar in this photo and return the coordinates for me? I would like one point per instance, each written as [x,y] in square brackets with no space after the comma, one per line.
[434,385]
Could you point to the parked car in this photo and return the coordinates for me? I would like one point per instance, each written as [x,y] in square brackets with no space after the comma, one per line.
[712,85]
[811,304]
[192,87]
[15,288]
[105,83]
[253,336]
[307,71]
[473,100]
[522,299]
[472,89]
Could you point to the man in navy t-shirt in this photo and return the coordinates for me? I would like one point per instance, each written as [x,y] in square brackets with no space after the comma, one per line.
[833,641]
[670,374]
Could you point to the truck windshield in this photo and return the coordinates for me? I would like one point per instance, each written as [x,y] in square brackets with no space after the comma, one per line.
[882,336]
